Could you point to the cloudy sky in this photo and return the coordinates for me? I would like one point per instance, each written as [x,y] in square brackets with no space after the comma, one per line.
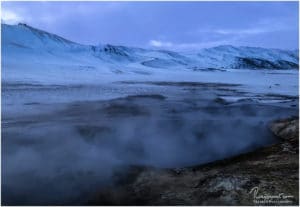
[168,25]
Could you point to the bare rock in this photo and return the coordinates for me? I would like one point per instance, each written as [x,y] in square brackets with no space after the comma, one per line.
[287,129]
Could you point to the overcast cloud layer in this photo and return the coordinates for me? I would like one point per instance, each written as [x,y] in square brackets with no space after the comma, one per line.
[167,25]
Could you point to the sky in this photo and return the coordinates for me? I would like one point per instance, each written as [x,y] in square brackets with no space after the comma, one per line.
[163,25]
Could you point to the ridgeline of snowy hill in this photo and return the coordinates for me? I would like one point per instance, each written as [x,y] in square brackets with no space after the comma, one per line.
[25,48]
[227,56]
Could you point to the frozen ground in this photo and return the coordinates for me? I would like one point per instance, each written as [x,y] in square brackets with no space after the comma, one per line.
[22,93]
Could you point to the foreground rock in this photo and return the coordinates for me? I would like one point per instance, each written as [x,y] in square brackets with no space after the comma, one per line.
[267,176]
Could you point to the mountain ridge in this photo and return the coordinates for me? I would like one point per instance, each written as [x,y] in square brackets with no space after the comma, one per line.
[17,38]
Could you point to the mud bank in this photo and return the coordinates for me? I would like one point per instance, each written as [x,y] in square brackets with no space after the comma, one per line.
[266,176]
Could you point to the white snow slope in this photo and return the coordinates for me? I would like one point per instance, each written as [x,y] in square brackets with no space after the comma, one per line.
[33,55]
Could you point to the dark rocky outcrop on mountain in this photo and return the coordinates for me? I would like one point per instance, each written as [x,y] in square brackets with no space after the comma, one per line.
[257,63]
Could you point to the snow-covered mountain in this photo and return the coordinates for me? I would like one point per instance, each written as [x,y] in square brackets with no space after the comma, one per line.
[227,56]
[24,47]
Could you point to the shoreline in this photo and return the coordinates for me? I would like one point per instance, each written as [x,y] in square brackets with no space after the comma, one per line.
[271,171]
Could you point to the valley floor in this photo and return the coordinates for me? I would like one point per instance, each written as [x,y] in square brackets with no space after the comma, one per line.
[138,141]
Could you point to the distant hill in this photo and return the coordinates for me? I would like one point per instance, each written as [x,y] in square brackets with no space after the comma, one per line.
[25,47]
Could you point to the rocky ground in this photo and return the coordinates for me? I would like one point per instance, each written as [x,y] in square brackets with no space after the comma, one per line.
[266,176]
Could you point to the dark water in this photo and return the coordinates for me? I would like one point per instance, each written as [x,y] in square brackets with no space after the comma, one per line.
[64,154]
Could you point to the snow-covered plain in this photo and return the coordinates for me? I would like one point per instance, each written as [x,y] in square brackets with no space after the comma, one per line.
[33,56]
[75,115]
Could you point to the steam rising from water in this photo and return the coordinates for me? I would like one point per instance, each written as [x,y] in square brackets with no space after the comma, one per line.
[63,157]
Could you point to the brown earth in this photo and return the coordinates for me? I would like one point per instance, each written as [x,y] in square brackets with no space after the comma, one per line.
[266,176]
